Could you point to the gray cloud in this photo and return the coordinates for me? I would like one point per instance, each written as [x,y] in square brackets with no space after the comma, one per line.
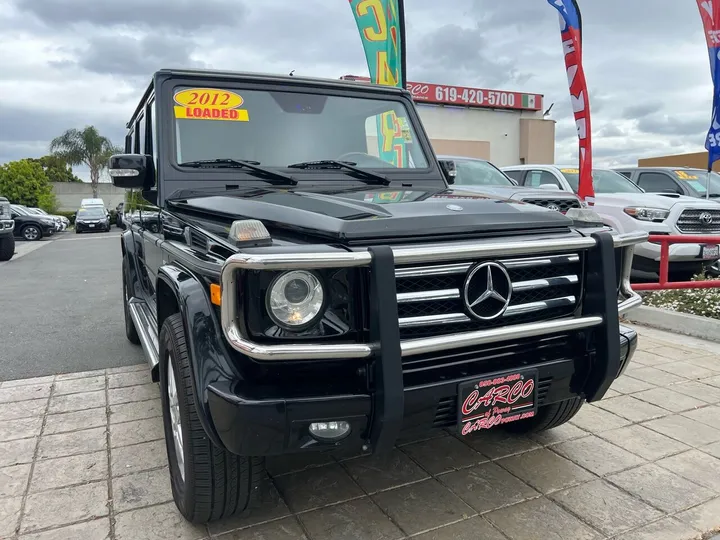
[121,55]
[611,130]
[176,14]
[641,110]
[455,55]
[674,125]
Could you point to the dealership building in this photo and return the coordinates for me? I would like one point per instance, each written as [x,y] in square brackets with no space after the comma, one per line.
[506,128]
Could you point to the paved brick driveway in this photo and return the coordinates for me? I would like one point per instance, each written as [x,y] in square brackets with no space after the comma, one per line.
[82,457]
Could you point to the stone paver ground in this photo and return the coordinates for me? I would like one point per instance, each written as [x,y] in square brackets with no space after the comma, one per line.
[82,457]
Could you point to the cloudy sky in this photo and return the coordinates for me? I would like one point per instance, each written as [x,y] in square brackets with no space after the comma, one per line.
[69,63]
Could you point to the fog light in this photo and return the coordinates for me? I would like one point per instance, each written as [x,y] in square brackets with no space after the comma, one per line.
[329,431]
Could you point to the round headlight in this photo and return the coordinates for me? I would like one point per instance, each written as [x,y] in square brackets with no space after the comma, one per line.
[295,299]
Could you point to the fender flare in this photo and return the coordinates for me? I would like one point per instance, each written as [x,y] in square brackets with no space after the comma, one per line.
[208,354]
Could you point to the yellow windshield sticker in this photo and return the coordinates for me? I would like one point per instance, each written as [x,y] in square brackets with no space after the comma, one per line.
[682,175]
[570,171]
[210,104]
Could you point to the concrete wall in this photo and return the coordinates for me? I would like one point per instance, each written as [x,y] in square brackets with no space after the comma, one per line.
[69,195]
[499,130]
[537,140]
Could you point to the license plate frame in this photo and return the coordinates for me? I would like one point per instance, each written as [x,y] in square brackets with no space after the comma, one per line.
[710,252]
[500,398]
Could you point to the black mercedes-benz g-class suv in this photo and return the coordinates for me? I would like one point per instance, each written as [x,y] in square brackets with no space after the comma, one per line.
[313,283]
[7,226]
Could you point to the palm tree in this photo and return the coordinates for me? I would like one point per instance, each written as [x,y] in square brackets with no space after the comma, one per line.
[86,146]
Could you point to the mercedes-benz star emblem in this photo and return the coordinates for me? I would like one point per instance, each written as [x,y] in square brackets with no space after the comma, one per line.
[454,207]
[487,291]
[553,207]
[706,218]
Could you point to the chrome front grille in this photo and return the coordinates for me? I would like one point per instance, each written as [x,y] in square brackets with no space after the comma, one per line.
[562,205]
[4,210]
[699,221]
[430,297]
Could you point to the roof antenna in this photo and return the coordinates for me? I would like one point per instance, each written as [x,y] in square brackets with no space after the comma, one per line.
[291,73]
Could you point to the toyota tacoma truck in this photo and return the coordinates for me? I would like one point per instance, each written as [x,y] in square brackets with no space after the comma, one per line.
[625,207]
[7,226]
[313,284]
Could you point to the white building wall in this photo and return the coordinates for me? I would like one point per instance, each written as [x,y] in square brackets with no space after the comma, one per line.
[501,128]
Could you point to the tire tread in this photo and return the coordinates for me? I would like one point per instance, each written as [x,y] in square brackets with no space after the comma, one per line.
[223,482]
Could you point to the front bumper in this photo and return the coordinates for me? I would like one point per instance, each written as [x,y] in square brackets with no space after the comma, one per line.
[250,426]
[90,227]
[413,384]
[7,225]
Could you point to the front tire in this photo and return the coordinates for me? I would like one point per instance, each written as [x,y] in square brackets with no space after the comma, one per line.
[31,233]
[7,247]
[548,417]
[208,483]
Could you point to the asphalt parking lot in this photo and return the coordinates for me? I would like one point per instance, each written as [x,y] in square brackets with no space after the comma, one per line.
[60,306]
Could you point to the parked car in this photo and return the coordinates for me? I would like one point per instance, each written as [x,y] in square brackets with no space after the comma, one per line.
[311,297]
[481,176]
[86,203]
[626,207]
[91,219]
[7,226]
[29,226]
[63,222]
[678,180]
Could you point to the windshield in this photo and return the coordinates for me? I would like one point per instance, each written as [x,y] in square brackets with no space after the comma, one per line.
[479,173]
[277,128]
[696,181]
[604,181]
[19,210]
[90,213]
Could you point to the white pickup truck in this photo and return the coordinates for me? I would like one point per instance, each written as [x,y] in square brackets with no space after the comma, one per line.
[626,207]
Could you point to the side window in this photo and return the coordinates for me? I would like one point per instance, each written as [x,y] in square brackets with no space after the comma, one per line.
[149,129]
[539,178]
[139,135]
[657,183]
[515,175]
[626,174]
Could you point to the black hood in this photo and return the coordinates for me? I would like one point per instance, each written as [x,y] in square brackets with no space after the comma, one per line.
[369,214]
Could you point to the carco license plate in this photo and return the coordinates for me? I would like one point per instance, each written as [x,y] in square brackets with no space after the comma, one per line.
[499,399]
[711,252]
[91,226]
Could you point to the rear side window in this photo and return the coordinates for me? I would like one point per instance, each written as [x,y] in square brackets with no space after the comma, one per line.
[539,178]
[515,175]
[653,182]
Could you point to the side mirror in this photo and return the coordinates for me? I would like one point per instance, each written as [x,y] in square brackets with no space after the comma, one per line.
[132,170]
[449,170]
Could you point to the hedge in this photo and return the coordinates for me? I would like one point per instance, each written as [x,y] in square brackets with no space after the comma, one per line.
[702,302]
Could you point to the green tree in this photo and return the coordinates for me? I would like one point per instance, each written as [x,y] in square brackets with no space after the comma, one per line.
[24,182]
[56,169]
[85,146]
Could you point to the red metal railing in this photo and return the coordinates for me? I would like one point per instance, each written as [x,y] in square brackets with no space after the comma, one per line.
[664,283]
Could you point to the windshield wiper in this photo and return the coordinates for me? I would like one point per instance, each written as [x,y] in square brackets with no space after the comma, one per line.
[349,165]
[241,163]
